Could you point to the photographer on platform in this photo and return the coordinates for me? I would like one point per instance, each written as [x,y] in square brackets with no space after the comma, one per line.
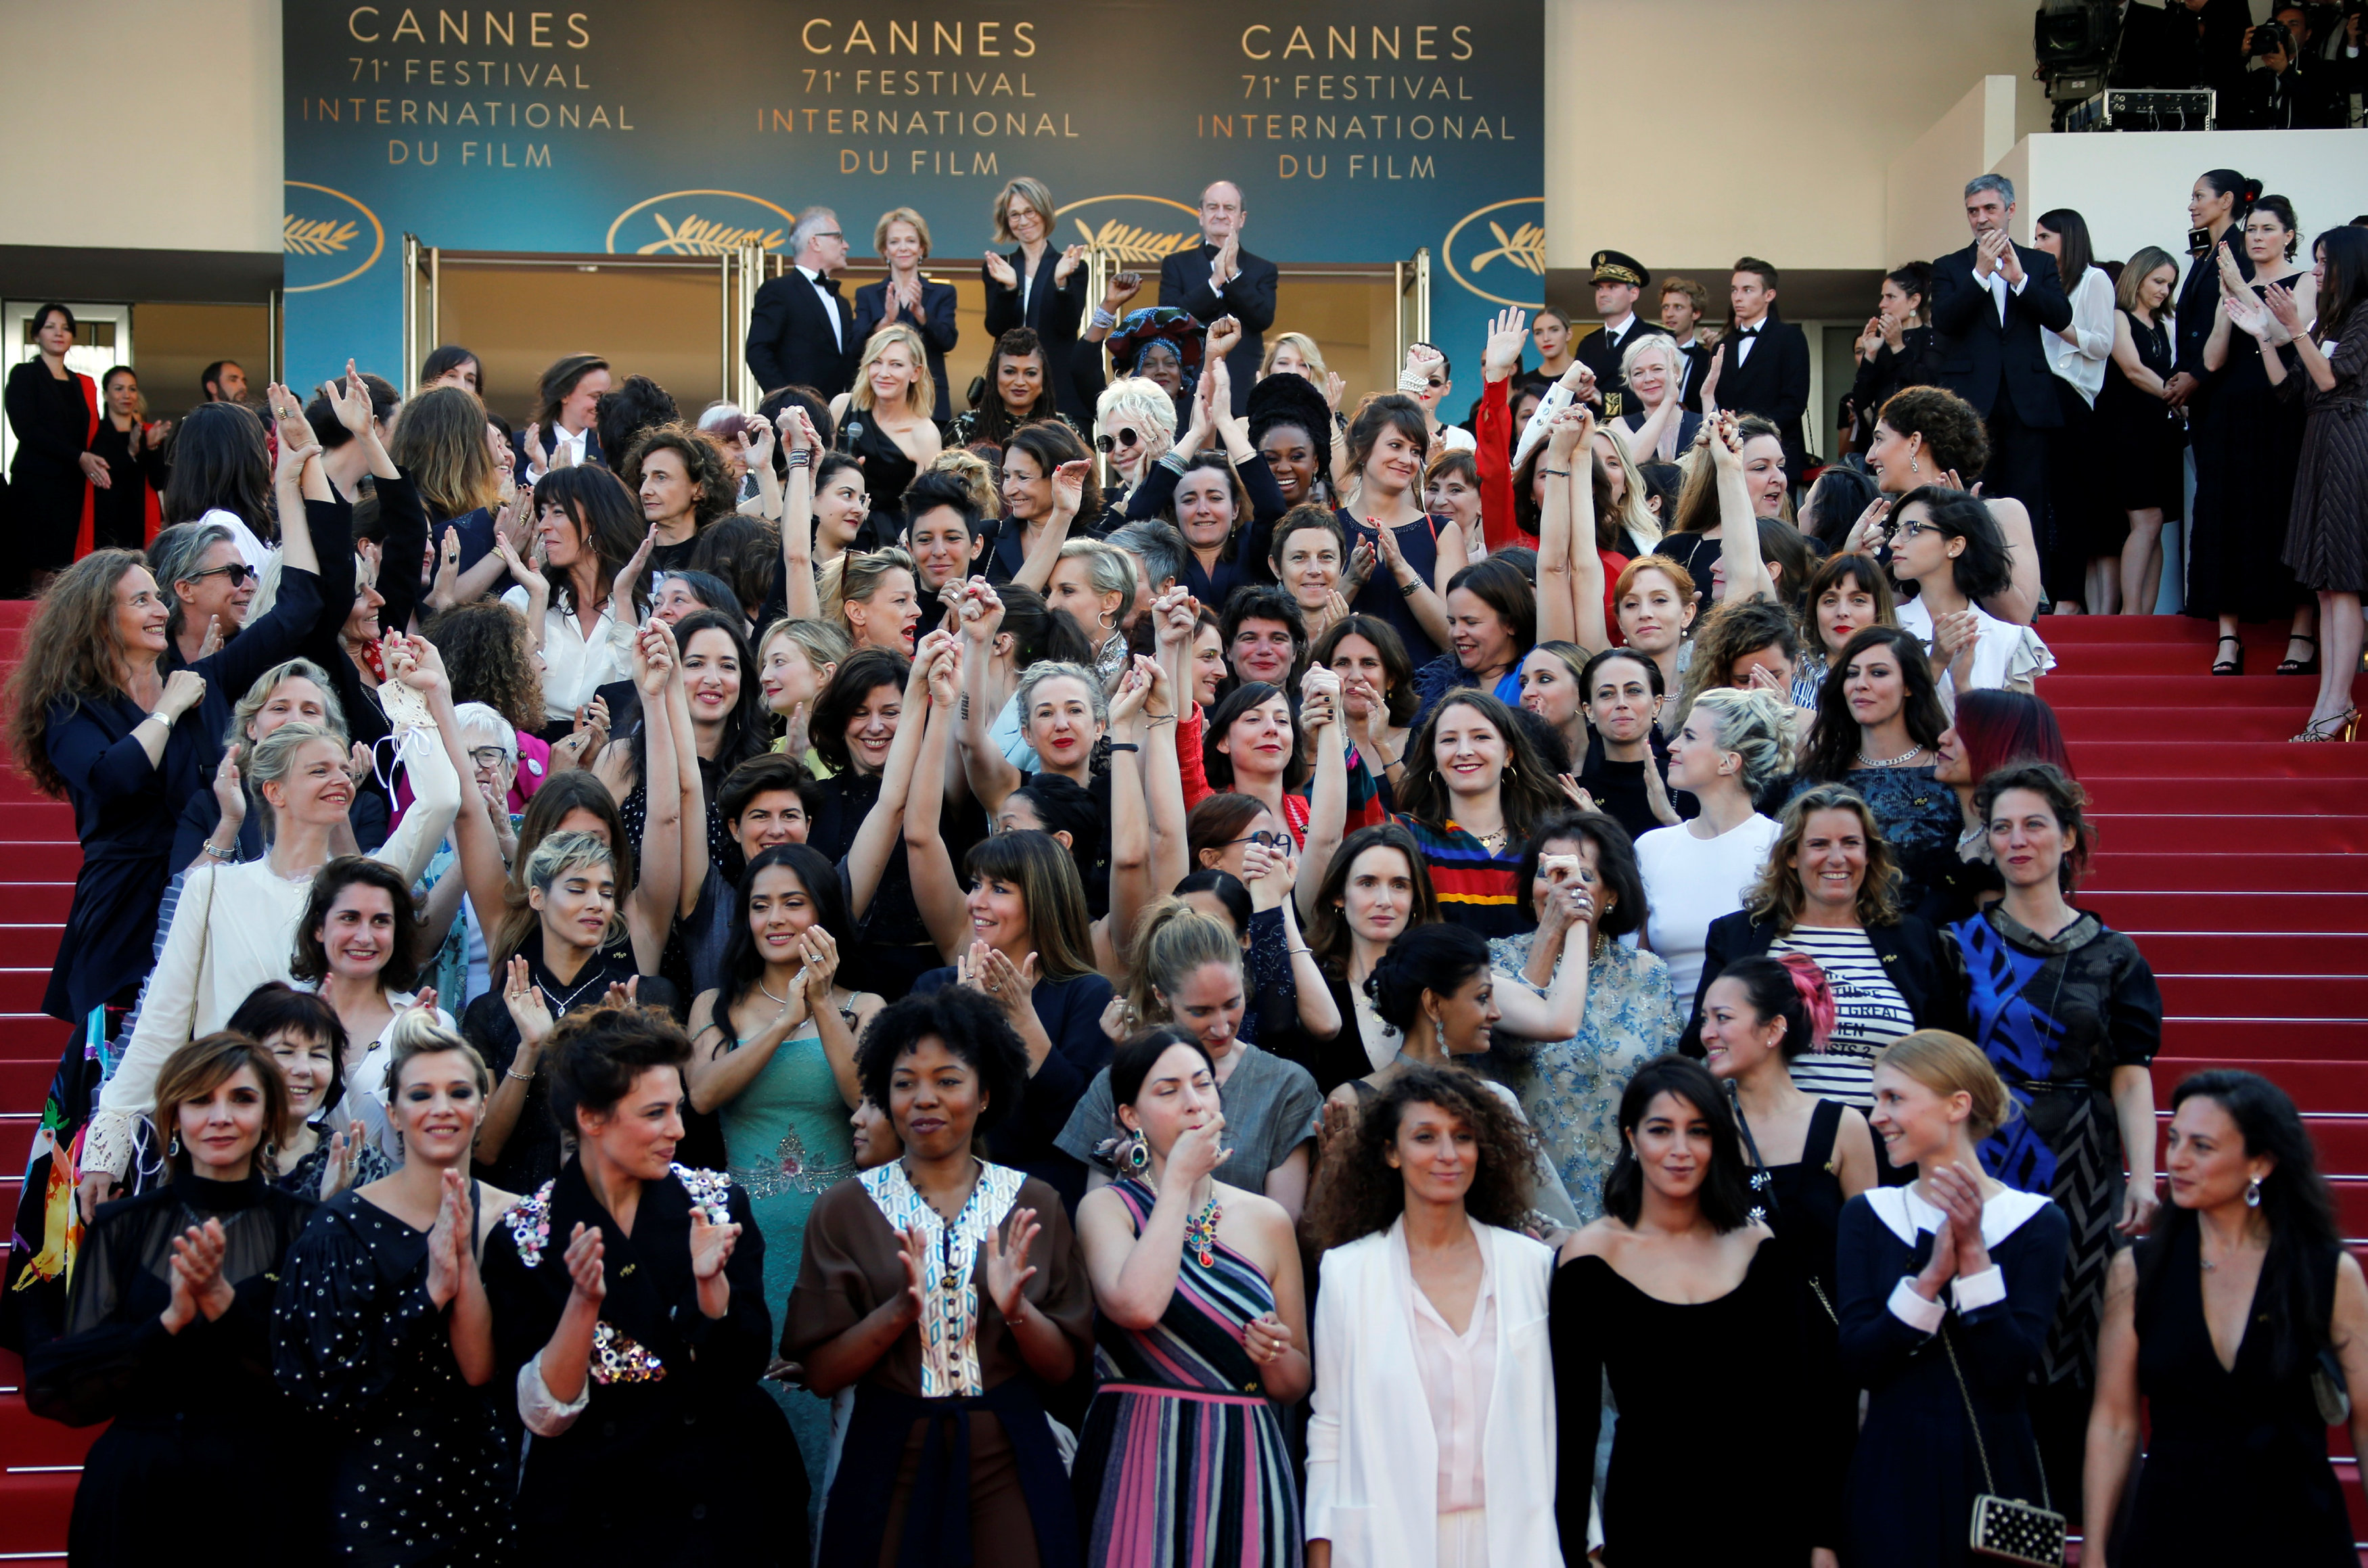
[2285,93]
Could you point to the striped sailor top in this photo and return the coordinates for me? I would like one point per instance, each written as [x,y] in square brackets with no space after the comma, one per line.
[1476,887]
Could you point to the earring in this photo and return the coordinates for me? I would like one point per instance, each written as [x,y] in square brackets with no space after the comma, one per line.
[1915,467]
[1138,1155]
[2253,1193]
[173,1144]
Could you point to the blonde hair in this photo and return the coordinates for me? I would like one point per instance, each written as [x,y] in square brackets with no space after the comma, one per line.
[857,575]
[1171,940]
[1299,340]
[921,395]
[899,215]
[1143,401]
[1755,725]
[1659,343]
[557,855]
[1948,1064]
[821,642]
[417,1033]
[977,479]
[1643,528]
[1028,189]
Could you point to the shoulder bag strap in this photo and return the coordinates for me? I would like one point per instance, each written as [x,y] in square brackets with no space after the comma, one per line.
[1989,1482]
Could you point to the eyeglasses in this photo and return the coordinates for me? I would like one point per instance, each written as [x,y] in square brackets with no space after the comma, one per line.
[1127,435]
[1911,528]
[489,756]
[238,572]
[1266,837]
[828,234]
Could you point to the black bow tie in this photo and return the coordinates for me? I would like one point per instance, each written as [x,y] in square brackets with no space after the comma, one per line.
[828,286]
[1747,331]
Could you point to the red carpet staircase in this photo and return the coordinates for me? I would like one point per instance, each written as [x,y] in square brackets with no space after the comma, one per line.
[2239,861]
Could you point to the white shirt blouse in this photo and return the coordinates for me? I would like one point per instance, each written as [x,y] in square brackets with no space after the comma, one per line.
[2081,359]
[577,660]
[1690,881]
[2004,654]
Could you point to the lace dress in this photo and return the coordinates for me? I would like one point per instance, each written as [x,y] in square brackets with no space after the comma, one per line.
[787,1138]
[1570,1089]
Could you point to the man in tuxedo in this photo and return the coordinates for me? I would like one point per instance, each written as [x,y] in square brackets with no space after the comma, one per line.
[1220,279]
[1619,280]
[802,332]
[1684,302]
[1990,303]
[1761,363]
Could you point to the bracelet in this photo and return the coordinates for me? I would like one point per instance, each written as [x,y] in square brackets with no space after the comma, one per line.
[1124,746]
[1408,590]
[1161,719]
[522,1077]
[1340,419]
[229,854]
[1557,472]
[801,457]
[1103,320]
[1294,952]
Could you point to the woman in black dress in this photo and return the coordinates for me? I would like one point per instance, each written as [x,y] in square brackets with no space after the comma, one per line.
[906,297]
[1895,349]
[126,512]
[384,1331]
[2248,441]
[54,413]
[169,1332]
[2139,432]
[886,421]
[1956,1257]
[2224,1323]
[630,1321]
[1681,1295]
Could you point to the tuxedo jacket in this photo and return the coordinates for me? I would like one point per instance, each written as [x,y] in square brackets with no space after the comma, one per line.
[1053,313]
[789,339]
[1600,352]
[1772,383]
[1248,299]
[1983,358]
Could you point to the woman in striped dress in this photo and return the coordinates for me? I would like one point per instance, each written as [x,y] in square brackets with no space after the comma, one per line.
[1201,1335]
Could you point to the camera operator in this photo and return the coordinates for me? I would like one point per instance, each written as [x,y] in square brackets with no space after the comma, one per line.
[2284,93]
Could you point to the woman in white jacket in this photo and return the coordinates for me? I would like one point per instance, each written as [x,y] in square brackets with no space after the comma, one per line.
[1452,1467]
[236,926]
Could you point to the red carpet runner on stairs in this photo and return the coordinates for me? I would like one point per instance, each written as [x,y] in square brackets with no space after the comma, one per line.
[2239,861]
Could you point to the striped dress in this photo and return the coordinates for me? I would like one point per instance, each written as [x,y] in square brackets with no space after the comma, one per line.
[1182,1463]
[1476,887]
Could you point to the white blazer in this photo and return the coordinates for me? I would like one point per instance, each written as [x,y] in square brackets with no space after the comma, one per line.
[1372,1460]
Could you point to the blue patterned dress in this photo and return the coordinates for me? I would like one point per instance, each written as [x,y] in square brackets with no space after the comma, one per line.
[1570,1089]
[787,1137]
[1182,1463]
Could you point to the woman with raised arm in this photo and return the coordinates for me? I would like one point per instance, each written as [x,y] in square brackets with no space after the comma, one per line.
[1377,699]
[2221,1332]
[236,927]
[593,540]
[167,1333]
[630,1325]
[1202,1331]
[1682,1260]
[1581,876]
[1048,483]
[947,1294]
[1947,548]
[1955,1257]
[1398,552]
[1433,1438]
[2082,1068]
[1189,977]
[1221,496]
[1658,425]
[385,1334]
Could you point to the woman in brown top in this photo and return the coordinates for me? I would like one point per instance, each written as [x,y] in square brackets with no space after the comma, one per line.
[948,1293]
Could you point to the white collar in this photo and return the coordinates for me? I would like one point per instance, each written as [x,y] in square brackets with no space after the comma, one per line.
[1906,1214]
[1614,328]
[1688,341]
[812,276]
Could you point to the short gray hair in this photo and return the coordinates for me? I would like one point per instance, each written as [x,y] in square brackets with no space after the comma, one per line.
[811,221]
[1109,569]
[1043,670]
[1142,400]
[173,556]
[480,722]
[1157,546]
[2000,183]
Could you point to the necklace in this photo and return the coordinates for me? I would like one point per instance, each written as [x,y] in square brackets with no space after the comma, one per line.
[559,1004]
[1914,751]
[1201,1234]
[783,1002]
[1492,842]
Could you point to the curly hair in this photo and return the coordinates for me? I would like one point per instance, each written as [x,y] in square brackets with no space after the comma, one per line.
[1757,726]
[1987,563]
[637,404]
[598,1054]
[490,659]
[1527,791]
[744,553]
[1727,634]
[1438,960]
[1954,434]
[1726,1193]
[1362,1192]
[1833,751]
[971,1028]
[997,423]
[71,656]
[714,492]
[1777,895]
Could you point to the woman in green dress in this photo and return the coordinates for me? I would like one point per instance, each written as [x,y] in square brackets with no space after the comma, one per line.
[773,1052]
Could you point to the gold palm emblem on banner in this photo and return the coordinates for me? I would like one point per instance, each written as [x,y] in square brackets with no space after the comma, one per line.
[322,236]
[700,236]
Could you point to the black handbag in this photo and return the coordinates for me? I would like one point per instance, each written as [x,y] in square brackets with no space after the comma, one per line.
[2008,1529]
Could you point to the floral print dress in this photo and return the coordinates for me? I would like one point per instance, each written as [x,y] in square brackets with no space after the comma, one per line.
[1570,1089]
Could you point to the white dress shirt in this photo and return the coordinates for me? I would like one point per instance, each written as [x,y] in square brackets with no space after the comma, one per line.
[577,660]
[2080,360]
[1742,343]
[830,303]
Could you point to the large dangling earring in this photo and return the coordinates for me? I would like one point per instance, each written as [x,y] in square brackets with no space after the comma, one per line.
[173,1144]
[1138,1155]
[2253,1193]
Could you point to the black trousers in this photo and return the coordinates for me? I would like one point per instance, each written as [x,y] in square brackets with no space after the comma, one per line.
[2018,465]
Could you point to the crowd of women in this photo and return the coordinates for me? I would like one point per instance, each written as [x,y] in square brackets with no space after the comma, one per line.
[963,1013]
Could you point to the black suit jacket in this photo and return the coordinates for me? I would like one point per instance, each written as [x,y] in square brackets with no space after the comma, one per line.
[1697,354]
[1600,352]
[1248,299]
[937,328]
[1053,313]
[1772,383]
[790,340]
[1981,358]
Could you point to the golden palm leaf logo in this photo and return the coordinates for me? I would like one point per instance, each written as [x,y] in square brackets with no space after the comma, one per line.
[1525,247]
[700,236]
[1126,243]
[320,236]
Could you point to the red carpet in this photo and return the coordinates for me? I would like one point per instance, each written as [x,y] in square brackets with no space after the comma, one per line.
[2239,861]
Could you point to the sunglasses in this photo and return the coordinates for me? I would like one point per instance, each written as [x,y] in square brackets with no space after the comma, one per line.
[238,572]
[1127,436]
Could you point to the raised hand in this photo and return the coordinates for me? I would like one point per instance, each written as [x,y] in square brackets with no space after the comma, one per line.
[1335,387]
[1007,1268]
[345,1148]
[1121,287]
[288,421]
[587,1278]
[797,428]
[1868,534]
[622,994]
[1320,698]
[758,440]
[982,612]
[1134,691]
[2282,307]
[1224,335]
[998,267]
[228,792]
[653,660]
[293,456]
[819,950]
[711,1244]
[183,689]
[528,1006]
[1069,487]
[1070,260]
[914,1255]
[1567,430]
[446,1244]
[1507,336]
[1268,872]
